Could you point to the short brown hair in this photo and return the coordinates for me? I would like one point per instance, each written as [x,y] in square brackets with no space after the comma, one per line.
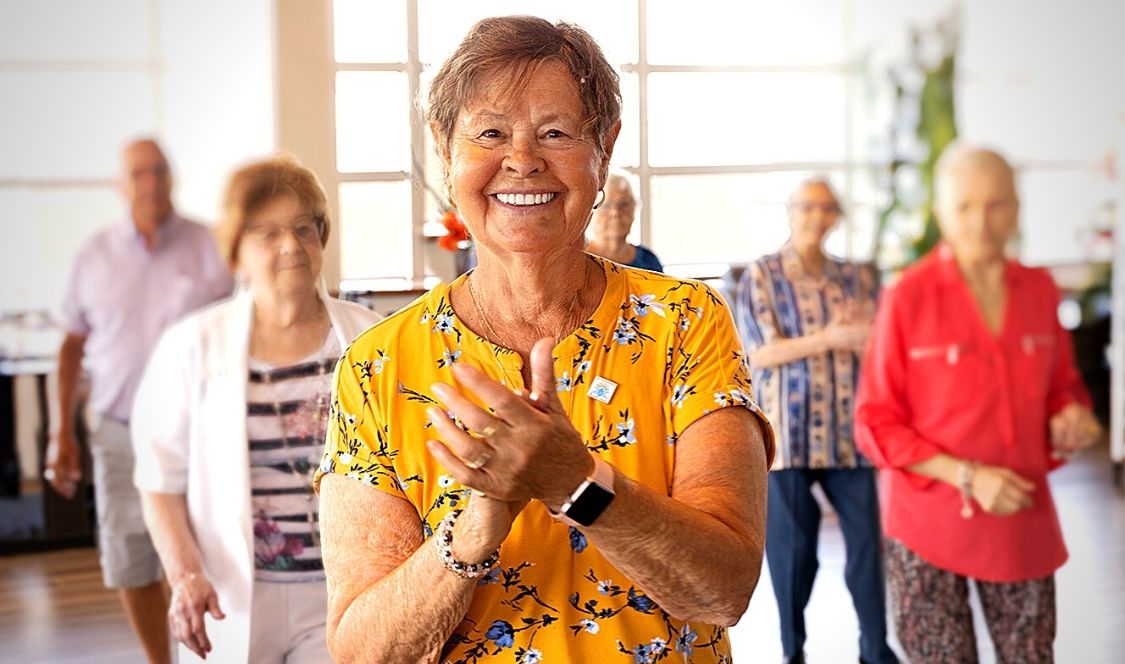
[519,43]
[256,184]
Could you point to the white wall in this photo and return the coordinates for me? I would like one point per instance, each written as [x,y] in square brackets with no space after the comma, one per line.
[216,93]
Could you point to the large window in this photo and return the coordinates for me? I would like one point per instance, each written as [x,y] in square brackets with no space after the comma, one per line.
[722,118]
[60,140]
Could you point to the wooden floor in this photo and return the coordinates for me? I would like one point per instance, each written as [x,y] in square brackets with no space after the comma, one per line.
[53,608]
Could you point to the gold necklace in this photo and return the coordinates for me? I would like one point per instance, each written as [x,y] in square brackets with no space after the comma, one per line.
[500,340]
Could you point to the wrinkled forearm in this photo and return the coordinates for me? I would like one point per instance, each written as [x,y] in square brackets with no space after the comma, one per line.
[698,555]
[690,563]
[407,616]
[166,517]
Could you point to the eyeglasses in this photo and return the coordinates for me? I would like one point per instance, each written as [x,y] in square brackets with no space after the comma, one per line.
[307,230]
[826,208]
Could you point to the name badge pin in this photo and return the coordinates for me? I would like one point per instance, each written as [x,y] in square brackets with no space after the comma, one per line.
[601,389]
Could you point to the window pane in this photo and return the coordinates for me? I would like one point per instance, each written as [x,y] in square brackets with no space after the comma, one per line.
[372,121]
[698,119]
[444,23]
[67,30]
[720,218]
[43,231]
[70,124]
[370,31]
[376,237]
[718,32]
[627,151]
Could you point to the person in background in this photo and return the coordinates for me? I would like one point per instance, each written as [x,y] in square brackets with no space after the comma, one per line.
[128,282]
[969,397]
[612,221]
[597,493]
[229,424]
[805,317]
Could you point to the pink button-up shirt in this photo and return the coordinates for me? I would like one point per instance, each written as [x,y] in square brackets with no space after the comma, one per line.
[936,379]
[122,294]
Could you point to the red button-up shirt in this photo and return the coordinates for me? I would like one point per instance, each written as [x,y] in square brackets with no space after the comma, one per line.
[936,379]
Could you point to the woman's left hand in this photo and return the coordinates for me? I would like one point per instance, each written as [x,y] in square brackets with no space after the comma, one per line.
[1074,428]
[526,449]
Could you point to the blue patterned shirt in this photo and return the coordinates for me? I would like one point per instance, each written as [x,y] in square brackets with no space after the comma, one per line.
[810,402]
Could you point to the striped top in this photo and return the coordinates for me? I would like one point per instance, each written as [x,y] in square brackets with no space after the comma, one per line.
[287,418]
[809,402]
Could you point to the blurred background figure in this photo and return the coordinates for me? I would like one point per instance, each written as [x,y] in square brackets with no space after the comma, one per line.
[229,423]
[969,397]
[612,221]
[805,318]
[127,284]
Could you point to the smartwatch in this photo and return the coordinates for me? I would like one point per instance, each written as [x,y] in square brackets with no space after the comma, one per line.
[591,498]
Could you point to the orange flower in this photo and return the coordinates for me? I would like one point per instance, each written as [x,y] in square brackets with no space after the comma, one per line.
[455,231]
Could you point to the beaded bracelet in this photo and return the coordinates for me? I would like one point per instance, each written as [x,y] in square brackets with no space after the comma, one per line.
[444,540]
[965,483]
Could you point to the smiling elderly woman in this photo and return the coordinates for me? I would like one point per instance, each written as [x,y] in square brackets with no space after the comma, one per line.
[599,489]
[226,426]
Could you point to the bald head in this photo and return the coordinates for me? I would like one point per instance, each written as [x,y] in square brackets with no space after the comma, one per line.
[813,211]
[965,160]
[146,182]
[976,202]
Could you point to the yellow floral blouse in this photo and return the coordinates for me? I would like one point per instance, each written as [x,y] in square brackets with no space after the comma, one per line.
[658,354]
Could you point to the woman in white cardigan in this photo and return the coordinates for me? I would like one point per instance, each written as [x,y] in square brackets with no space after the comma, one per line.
[228,426]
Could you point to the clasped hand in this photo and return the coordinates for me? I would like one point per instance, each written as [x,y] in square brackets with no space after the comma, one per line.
[526,449]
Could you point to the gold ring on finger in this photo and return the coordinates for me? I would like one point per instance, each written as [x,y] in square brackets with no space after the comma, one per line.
[488,431]
[479,462]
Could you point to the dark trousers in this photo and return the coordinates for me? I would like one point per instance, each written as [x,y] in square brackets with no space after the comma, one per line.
[792,526]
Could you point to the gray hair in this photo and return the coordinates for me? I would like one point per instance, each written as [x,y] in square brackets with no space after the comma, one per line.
[818,180]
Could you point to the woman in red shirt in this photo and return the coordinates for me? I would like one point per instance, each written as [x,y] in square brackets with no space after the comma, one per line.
[969,396]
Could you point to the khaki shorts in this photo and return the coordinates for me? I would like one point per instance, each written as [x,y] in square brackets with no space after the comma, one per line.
[127,555]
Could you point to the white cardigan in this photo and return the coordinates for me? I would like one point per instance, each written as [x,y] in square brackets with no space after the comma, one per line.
[189,434]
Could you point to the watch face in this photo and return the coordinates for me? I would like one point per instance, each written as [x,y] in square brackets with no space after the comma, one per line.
[589,504]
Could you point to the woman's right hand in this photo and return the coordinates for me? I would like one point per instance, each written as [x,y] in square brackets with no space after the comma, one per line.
[1001,491]
[192,597]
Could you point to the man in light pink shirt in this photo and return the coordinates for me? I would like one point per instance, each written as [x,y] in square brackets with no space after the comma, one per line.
[129,282]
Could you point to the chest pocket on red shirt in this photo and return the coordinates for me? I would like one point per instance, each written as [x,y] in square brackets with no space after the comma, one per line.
[952,374]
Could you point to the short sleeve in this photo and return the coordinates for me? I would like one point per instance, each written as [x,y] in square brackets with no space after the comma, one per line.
[709,370]
[72,311]
[160,423]
[358,443]
[755,309]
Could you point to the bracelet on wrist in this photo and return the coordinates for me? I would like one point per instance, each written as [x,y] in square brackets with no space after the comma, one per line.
[965,484]
[443,537]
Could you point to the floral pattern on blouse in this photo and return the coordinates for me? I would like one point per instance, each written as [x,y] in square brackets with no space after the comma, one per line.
[657,355]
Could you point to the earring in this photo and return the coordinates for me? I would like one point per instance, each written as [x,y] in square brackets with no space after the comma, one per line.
[601,200]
